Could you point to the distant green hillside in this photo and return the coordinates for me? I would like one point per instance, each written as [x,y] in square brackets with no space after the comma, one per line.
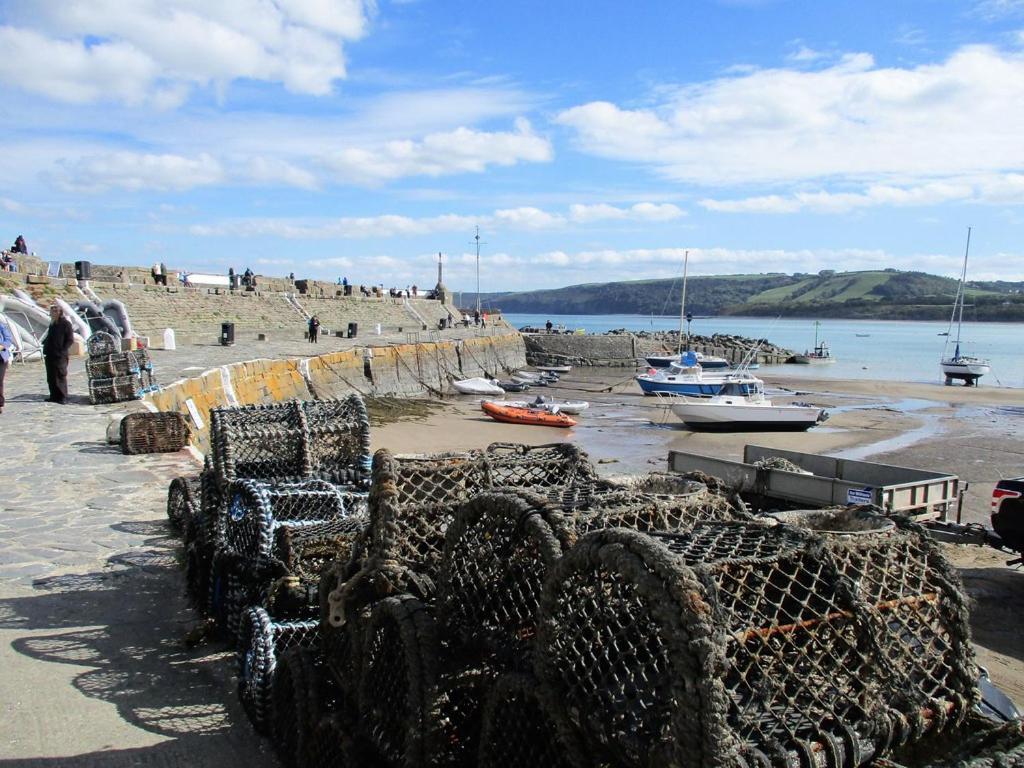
[885,294]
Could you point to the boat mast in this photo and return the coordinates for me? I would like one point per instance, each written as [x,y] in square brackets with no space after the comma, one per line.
[477,238]
[960,293]
[682,309]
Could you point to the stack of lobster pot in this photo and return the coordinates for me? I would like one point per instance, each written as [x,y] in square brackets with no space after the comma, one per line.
[116,376]
[282,492]
[561,620]
[436,609]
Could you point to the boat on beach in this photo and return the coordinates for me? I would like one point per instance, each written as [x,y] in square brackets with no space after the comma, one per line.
[532,416]
[477,386]
[554,368]
[688,378]
[739,408]
[960,367]
[707,362]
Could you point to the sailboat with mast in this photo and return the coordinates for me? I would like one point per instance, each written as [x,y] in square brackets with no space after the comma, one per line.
[960,367]
[706,362]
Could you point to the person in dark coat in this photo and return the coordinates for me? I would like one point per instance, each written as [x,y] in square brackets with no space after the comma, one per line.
[314,329]
[19,245]
[59,338]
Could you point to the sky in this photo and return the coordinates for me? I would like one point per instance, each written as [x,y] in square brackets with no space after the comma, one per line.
[588,141]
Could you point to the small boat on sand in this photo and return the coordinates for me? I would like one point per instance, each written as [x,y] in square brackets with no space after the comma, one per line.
[533,416]
[477,386]
[513,386]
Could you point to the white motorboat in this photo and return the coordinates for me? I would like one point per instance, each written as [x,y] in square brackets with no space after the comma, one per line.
[744,407]
[960,367]
[477,386]
[554,368]
[686,377]
[821,353]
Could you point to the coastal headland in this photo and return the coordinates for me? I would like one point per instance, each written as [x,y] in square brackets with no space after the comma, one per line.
[97,640]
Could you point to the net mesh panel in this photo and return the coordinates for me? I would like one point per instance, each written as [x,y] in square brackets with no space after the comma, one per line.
[794,644]
[328,439]
[560,471]
[146,432]
[517,731]
[648,511]
[398,683]
[101,344]
[497,552]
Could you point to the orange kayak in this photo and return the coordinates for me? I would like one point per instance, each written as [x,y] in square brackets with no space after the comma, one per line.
[537,417]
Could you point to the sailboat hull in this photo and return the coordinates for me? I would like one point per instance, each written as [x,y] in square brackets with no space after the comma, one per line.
[967,370]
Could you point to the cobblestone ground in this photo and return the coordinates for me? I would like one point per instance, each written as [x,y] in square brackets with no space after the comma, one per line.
[95,666]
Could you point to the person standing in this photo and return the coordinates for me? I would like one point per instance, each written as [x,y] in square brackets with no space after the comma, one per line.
[314,329]
[59,338]
[6,355]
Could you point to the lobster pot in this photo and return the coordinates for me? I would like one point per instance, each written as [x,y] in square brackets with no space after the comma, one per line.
[108,366]
[183,498]
[146,432]
[518,729]
[256,510]
[497,552]
[416,705]
[327,439]
[433,478]
[118,389]
[261,642]
[653,512]
[739,639]
[560,471]
[102,345]
[306,550]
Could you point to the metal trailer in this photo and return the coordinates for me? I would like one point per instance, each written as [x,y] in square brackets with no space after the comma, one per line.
[917,493]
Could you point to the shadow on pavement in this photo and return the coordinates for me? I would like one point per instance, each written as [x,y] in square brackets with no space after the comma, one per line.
[128,625]
[997,603]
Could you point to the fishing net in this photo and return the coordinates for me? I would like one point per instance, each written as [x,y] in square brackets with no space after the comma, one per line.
[769,644]
[326,439]
[518,731]
[261,643]
[497,552]
[146,432]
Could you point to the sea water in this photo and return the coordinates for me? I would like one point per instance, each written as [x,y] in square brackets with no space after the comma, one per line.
[888,350]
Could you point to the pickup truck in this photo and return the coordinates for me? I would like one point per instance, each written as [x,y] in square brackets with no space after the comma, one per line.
[1008,512]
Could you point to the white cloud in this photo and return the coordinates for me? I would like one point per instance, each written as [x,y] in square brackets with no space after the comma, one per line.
[523,219]
[136,171]
[1002,189]
[852,120]
[269,171]
[12,206]
[460,151]
[585,214]
[156,50]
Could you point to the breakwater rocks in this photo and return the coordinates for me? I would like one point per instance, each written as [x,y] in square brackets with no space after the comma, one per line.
[625,349]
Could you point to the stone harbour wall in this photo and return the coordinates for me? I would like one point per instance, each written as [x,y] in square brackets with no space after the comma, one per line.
[400,370]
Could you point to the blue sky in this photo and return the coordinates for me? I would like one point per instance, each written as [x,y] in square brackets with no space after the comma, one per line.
[590,141]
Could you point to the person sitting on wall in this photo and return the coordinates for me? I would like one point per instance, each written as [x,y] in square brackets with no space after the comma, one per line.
[363,290]
[7,262]
[19,245]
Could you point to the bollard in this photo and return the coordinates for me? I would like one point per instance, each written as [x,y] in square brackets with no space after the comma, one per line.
[169,339]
